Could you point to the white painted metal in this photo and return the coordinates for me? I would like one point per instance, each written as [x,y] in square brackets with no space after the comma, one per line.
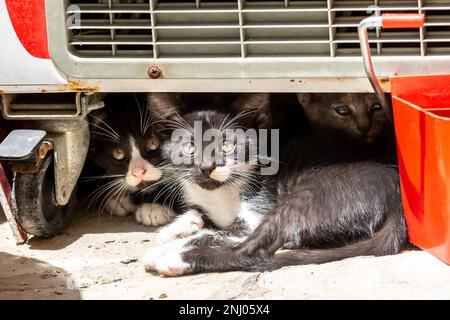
[239,45]
[17,66]
[330,84]
[240,28]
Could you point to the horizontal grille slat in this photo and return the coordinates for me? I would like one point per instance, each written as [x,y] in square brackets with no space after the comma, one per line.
[246,28]
[98,8]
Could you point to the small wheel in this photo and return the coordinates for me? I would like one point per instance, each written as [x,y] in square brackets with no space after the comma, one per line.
[38,213]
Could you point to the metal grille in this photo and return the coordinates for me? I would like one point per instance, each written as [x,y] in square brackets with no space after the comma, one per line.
[245,28]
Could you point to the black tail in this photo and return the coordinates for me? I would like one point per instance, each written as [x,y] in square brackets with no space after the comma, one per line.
[388,240]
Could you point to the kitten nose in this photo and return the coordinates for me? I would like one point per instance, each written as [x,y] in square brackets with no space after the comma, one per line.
[207,169]
[364,125]
[138,172]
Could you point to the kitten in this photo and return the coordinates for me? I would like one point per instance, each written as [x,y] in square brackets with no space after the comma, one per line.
[223,200]
[354,117]
[334,201]
[126,148]
[355,120]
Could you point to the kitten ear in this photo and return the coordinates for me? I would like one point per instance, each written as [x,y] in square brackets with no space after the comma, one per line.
[165,106]
[255,109]
[304,98]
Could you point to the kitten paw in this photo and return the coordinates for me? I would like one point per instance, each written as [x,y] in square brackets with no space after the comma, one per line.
[150,258]
[185,225]
[169,265]
[153,214]
[120,207]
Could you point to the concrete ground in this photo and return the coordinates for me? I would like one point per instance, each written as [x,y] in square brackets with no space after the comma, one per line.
[97,259]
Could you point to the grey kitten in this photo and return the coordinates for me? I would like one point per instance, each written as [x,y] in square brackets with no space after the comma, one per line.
[351,116]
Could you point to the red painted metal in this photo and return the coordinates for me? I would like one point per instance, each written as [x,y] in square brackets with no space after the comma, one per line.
[28,20]
[421,107]
[403,20]
[9,209]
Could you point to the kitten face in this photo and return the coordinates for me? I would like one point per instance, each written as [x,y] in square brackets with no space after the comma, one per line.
[358,117]
[125,144]
[213,163]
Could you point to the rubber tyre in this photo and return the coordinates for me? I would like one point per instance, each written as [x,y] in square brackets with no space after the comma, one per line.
[38,213]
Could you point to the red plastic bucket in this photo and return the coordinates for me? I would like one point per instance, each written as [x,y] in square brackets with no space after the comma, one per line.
[421,106]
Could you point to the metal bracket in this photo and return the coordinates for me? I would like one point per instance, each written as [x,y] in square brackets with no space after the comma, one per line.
[15,108]
[87,102]
[70,139]
[68,133]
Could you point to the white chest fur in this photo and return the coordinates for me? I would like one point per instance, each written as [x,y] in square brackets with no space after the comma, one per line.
[222,205]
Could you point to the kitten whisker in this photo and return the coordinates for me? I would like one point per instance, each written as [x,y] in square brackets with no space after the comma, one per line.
[223,122]
[100,190]
[106,137]
[97,193]
[112,193]
[91,178]
[113,132]
[140,115]
[169,182]
[184,121]
[237,117]
[151,186]
[175,124]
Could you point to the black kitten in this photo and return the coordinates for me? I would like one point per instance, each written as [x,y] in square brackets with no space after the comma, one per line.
[333,202]
[125,146]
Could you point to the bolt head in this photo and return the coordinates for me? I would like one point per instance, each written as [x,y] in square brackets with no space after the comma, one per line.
[154,72]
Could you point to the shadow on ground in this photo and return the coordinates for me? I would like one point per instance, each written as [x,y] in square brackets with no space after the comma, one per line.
[25,278]
[89,223]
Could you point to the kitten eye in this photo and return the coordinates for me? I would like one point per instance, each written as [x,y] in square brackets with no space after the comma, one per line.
[188,148]
[118,154]
[342,110]
[377,107]
[228,147]
[152,144]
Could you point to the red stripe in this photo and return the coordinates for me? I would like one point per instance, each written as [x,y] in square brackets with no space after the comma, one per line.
[28,20]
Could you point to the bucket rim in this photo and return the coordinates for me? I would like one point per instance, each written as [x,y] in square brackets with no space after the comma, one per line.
[427,111]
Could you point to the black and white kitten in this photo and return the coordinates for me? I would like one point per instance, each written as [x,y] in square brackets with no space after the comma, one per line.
[223,202]
[334,201]
[125,147]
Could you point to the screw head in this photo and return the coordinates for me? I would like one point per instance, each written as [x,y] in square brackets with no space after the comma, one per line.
[154,72]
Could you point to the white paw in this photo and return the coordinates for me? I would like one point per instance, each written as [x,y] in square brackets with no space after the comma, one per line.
[183,226]
[152,255]
[153,214]
[120,207]
[169,265]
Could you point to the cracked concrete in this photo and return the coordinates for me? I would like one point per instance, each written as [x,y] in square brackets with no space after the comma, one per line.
[96,258]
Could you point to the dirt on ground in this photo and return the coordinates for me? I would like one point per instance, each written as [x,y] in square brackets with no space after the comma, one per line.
[98,258]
